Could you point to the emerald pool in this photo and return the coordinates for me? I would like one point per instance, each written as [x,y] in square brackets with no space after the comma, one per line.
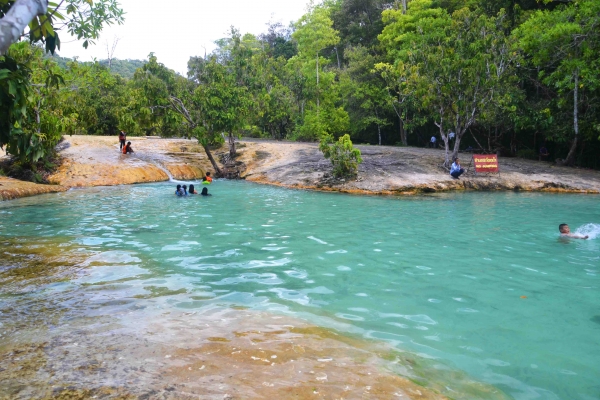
[478,282]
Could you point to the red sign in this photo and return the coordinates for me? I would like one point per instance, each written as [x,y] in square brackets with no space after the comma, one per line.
[485,162]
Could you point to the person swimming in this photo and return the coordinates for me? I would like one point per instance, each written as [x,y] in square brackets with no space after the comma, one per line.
[565,231]
[207,180]
[205,192]
[192,190]
[179,191]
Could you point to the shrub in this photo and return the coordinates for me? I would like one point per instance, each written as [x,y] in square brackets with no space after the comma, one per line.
[527,153]
[344,157]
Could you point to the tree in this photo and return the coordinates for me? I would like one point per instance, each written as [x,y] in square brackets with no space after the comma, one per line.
[455,63]
[321,115]
[43,20]
[565,45]
[30,102]
[221,100]
[365,92]
[173,97]
[29,126]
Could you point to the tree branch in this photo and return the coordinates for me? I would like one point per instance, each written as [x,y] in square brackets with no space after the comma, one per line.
[16,20]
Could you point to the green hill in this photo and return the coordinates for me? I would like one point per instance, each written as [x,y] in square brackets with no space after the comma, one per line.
[125,68]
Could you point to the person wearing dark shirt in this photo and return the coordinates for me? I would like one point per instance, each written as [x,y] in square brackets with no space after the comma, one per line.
[543,153]
[122,139]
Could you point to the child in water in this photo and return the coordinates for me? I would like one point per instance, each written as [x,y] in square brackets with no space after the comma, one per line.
[565,231]
[192,190]
[207,179]
[205,192]
[179,191]
[127,149]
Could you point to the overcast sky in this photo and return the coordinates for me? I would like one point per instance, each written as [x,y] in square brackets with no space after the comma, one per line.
[177,29]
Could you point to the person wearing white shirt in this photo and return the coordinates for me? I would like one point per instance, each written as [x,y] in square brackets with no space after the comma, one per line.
[456,170]
[432,142]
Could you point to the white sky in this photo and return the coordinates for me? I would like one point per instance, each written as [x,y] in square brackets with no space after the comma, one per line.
[178,29]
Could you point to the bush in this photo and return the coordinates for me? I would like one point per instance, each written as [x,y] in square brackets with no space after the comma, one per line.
[527,153]
[344,157]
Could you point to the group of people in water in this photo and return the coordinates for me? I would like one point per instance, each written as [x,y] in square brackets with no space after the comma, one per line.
[184,191]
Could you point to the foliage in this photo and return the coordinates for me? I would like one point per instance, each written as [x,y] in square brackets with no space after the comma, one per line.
[29,95]
[505,75]
[344,157]
[30,98]
[457,64]
[565,45]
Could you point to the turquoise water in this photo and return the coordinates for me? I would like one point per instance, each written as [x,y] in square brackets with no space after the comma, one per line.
[479,282]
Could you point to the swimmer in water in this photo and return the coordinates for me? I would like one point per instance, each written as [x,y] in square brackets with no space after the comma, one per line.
[179,191]
[565,231]
[205,192]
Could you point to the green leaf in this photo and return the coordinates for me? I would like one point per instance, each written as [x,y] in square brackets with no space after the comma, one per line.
[12,88]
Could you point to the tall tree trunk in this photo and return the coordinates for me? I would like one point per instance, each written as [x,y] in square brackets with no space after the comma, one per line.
[403,138]
[457,137]
[477,141]
[232,151]
[404,6]
[379,133]
[218,171]
[16,20]
[440,125]
[317,83]
[570,160]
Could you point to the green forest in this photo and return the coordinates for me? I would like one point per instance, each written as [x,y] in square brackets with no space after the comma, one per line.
[505,76]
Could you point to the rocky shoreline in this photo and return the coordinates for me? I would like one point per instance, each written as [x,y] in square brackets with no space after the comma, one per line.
[96,161]
[405,171]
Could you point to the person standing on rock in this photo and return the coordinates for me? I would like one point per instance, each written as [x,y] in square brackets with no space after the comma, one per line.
[122,139]
[432,142]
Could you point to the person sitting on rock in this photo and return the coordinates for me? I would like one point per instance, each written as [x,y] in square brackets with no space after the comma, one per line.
[543,153]
[205,192]
[127,149]
[456,170]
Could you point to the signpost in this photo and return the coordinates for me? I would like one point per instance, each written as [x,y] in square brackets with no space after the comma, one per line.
[486,163]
